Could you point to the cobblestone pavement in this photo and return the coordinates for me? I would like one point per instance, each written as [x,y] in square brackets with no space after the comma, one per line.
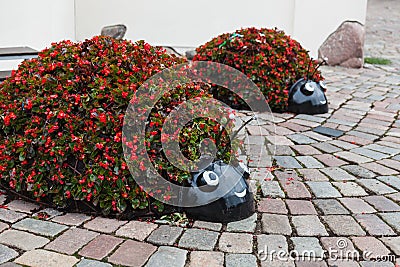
[338,195]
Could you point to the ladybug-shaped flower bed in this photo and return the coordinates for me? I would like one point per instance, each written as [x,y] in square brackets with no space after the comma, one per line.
[273,60]
[61,120]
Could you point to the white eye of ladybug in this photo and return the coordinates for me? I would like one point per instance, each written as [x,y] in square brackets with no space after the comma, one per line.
[309,87]
[322,84]
[211,178]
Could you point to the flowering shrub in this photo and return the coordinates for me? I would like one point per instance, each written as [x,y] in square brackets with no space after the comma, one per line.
[61,118]
[273,60]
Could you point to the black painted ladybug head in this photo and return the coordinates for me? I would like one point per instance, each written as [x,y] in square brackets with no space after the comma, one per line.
[307,96]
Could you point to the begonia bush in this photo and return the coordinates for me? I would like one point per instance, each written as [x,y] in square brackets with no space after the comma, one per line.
[270,58]
[62,115]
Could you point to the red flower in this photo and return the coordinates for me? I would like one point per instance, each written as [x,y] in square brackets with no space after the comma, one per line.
[103,118]
[99,146]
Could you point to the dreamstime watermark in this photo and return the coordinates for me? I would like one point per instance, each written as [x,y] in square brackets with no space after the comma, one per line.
[147,97]
[342,251]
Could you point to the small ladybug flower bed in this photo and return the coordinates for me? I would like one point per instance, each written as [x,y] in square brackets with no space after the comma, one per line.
[61,119]
[273,60]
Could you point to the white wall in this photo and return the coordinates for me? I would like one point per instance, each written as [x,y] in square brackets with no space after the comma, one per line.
[181,22]
[36,23]
[192,23]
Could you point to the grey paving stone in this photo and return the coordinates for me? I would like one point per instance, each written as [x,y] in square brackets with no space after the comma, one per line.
[276,224]
[271,189]
[371,246]
[395,197]
[359,171]
[287,162]
[376,186]
[310,162]
[92,263]
[165,235]
[342,263]
[342,144]
[393,243]
[338,174]
[306,150]
[326,147]
[40,257]
[313,175]
[22,240]
[74,219]
[267,245]
[369,153]
[208,225]
[7,254]
[295,189]
[330,206]
[342,246]
[279,140]
[246,225]
[392,218]
[309,225]
[323,190]
[51,213]
[310,118]
[3,226]
[350,189]
[10,215]
[307,263]
[392,181]
[136,230]
[104,225]
[198,239]
[236,242]
[374,225]
[381,203]
[352,157]
[308,245]
[301,139]
[277,263]
[280,150]
[342,225]
[240,260]
[306,123]
[254,140]
[10,264]
[357,205]
[379,169]
[22,206]
[342,122]
[383,149]
[40,227]
[363,135]
[168,256]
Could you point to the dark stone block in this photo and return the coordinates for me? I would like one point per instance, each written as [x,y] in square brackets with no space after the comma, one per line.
[328,131]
